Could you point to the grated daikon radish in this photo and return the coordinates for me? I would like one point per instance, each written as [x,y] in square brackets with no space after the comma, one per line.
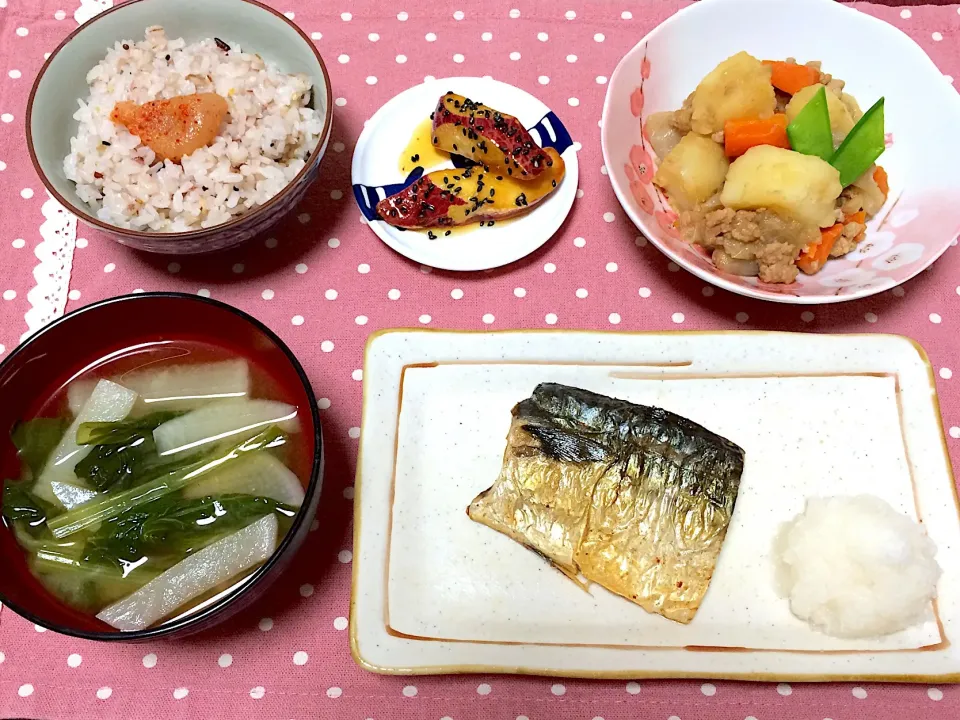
[230,420]
[177,387]
[260,474]
[197,574]
[72,495]
[109,402]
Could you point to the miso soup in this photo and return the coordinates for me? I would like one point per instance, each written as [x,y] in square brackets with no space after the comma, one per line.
[155,479]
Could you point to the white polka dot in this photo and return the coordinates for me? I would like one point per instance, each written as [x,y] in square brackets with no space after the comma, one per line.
[104,693]
[603,170]
[707,291]
[346,556]
[571,58]
[520,292]
[337,194]
[304,218]
[300,658]
[558,689]
[22,31]
[180,693]
[363,268]
[400,59]
[25,690]
[357,375]
[573,102]
[257,692]
[9,294]
[626,15]
[340,101]
[316,36]
[582,293]
[550,318]
[15,74]
[859,693]
[599,37]
[955,432]
[297,320]
[426,269]
[514,13]
[331,294]
[456,294]
[949,79]
[346,17]
[609,217]
[327,346]
[513,56]
[301,268]
[267,294]
[614,318]
[402,16]
[644,292]
[601,79]
[488,318]
[237,268]
[173,267]
[371,80]
[306,590]
[26,193]
[39,628]
[673,267]
[425,319]
[807,316]
[410,691]
[542,36]
[937,37]
[458,58]
[59,15]
[266,624]
[486,37]
[935,319]
[906,14]
[484,689]
[946,373]
[935,694]
[333,243]
[373,37]
[150,660]
[612,267]
[6,117]
[677,317]
[633,688]
[784,689]
[323,403]
[74,660]
[203,292]
[349,492]
[334,692]
[340,623]
[570,15]
[579,190]
[543,79]
[708,689]
[270,242]
[549,268]
[430,37]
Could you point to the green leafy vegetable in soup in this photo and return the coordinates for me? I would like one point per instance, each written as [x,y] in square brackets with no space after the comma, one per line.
[101,512]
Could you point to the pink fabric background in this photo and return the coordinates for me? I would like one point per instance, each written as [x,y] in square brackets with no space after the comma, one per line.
[289,657]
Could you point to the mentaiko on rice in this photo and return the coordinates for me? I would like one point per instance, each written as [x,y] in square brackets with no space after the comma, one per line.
[261,142]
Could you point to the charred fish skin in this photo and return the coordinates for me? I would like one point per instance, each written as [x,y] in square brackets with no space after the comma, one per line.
[632,497]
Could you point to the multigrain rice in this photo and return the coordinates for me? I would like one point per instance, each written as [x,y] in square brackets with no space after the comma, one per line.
[266,138]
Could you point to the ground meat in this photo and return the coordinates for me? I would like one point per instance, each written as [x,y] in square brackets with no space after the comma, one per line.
[848,241]
[683,116]
[747,235]
[783,99]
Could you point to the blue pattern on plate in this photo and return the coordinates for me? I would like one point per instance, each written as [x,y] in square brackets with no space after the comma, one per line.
[549,132]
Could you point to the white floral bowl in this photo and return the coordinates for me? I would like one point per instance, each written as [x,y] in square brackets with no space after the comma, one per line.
[922,214]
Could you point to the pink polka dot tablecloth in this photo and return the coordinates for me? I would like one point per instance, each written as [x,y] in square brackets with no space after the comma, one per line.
[323,281]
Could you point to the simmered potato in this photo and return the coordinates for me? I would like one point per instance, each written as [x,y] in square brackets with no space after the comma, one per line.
[840,120]
[693,171]
[803,187]
[739,87]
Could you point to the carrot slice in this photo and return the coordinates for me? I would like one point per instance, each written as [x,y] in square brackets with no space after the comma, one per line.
[857,217]
[741,135]
[814,256]
[882,181]
[790,77]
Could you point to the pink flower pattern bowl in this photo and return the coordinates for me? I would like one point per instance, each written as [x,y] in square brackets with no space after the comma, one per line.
[922,215]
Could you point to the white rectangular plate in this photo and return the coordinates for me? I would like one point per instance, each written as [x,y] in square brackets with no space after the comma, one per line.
[435,592]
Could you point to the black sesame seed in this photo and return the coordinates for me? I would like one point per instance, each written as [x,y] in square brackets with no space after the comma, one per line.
[431,235]
[554,183]
[447,233]
[126,47]
[104,142]
[221,44]
[490,224]
[167,58]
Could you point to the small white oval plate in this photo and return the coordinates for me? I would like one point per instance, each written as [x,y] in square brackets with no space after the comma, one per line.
[375,174]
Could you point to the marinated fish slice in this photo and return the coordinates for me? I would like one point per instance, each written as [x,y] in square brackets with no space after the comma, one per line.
[634,498]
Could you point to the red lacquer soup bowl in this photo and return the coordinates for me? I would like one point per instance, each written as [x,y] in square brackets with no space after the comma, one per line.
[105,335]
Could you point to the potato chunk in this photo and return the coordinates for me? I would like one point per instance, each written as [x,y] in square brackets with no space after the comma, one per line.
[739,87]
[803,187]
[841,121]
[693,171]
